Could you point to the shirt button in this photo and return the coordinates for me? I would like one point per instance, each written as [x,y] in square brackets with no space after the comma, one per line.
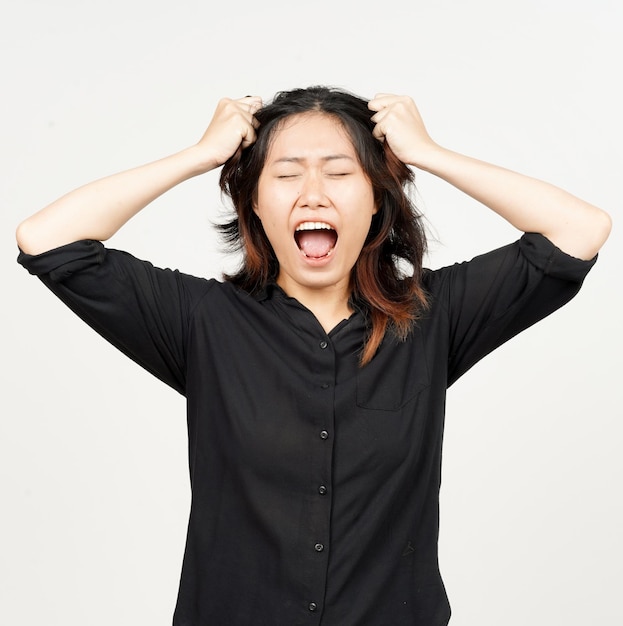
[322,490]
[319,547]
[325,385]
[312,606]
[324,344]
[324,434]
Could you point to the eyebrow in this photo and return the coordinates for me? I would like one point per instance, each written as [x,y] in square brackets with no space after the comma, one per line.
[330,157]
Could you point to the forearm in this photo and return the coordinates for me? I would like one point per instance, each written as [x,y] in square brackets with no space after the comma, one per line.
[99,209]
[530,205]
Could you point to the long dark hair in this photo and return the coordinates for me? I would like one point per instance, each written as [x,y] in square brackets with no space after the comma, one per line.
[386,281]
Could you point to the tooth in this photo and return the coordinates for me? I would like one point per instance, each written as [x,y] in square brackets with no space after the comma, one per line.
[314,226]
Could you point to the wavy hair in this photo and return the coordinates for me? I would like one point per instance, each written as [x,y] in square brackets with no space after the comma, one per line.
[386,280]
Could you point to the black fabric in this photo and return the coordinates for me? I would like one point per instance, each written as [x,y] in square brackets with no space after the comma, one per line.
[314,481]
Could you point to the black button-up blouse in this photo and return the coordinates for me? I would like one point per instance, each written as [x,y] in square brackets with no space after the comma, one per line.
[314,482]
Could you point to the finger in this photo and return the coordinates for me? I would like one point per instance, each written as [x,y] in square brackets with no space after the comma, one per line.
[390,100]
[249,104]
[251,101]
[252,109]
[248,138]
[256,106]
[385,95]
[247,116]
[380,115]
[381,100]
[378,133]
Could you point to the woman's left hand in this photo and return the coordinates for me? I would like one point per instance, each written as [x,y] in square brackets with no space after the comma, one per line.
[531,205]
[398,122]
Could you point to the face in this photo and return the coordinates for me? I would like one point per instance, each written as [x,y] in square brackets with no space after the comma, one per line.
[315,203]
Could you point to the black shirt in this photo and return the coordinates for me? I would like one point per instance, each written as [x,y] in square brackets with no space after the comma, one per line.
[314,482]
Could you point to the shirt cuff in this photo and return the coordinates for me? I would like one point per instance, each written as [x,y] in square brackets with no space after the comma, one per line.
[61,262]
[542,253]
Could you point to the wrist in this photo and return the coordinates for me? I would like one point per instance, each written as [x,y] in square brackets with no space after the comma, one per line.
[430,158]
[199,160]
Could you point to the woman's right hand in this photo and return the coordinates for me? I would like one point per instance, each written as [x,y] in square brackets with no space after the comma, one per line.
[98,209]
[232,127]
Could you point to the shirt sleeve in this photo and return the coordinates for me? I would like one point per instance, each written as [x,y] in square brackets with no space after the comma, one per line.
[142,310]
[495,296]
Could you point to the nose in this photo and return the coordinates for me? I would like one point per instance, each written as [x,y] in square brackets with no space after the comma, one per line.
[312,193]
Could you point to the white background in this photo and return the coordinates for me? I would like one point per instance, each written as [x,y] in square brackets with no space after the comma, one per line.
[93,466]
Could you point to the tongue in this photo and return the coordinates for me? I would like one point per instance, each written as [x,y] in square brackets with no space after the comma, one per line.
[316,243]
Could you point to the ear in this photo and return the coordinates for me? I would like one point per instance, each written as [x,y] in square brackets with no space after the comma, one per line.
[254,201]
[378,201]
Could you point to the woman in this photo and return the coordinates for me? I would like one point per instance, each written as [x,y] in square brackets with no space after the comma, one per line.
[315,377]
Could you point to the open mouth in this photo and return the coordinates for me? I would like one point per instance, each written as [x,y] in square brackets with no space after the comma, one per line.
[315,240]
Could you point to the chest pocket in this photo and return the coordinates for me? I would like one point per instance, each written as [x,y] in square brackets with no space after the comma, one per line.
[395,376]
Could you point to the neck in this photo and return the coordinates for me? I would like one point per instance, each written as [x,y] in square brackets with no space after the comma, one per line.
[328,304]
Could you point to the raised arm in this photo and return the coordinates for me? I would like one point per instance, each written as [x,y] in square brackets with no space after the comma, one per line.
[99,209]
[576,227]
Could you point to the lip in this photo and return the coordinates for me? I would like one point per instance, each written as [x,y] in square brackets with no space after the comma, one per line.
[317,262]
[311,261]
